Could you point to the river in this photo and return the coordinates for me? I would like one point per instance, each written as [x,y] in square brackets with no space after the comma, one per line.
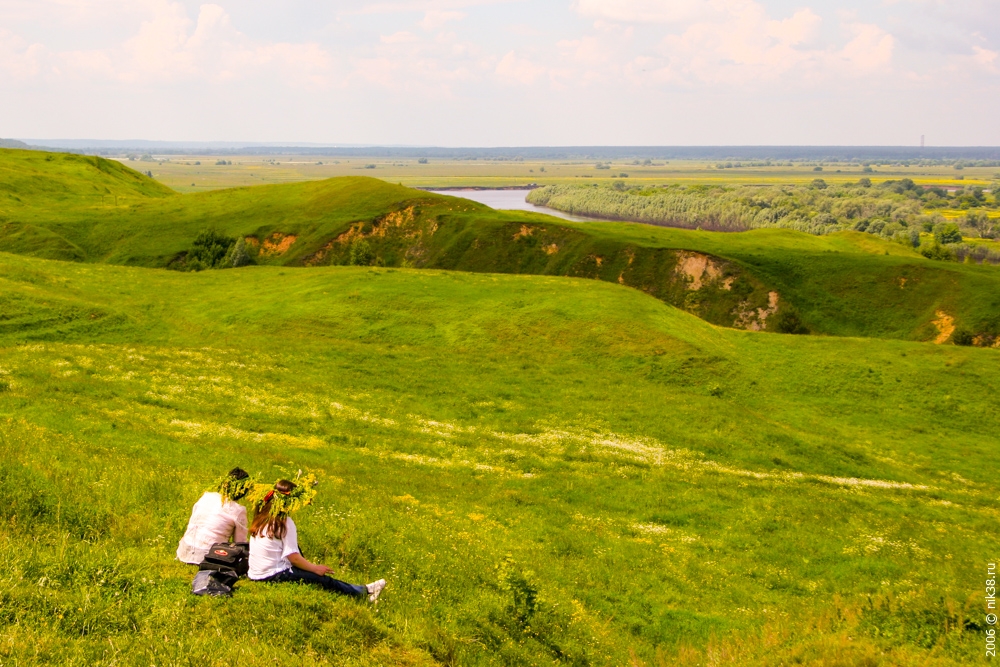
[510,200]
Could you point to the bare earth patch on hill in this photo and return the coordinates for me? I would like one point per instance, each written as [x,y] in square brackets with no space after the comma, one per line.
[945,325]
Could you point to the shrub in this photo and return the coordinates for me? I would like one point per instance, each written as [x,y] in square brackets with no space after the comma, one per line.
[980,223]
[209,250]
[936,251]
[422,160]
[238,255]
[947,232]
[361,253]
[788,322]
[963,337]
[876,226]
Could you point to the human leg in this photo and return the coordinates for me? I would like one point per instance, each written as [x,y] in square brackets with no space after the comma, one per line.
[327,583]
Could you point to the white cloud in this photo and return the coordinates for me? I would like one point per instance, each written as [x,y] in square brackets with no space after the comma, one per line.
[985,58]
[735,42]
[401,37]
[168,47]
[436,18]
[512,69]
[430,68]
[19,59]
[871,49]
[646,11]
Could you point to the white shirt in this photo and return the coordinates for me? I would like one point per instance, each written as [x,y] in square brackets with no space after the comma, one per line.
[269,556]
[212,521]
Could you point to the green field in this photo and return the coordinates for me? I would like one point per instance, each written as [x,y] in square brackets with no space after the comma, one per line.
[184,173]
[549,462]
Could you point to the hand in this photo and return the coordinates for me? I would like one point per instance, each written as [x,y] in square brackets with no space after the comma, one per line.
[321,570]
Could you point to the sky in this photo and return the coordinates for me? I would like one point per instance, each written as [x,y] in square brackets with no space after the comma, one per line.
[504,72]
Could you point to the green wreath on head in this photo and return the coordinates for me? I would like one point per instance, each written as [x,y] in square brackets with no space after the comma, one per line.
[234,489]
[284,503]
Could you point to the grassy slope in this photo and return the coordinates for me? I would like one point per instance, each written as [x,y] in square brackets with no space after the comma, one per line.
[545,469]
[39,189]
[845,284]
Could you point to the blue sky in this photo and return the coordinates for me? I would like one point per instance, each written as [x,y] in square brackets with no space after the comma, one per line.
[503,72]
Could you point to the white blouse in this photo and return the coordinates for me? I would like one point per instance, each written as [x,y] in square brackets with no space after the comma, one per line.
[269,556]
[212,521]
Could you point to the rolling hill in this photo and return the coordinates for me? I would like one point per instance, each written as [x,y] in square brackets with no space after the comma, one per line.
[546,469]
[848,284]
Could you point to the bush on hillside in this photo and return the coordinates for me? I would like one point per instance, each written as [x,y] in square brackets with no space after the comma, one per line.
[910,237]
[963,337]
[977,254]
[788,322]
[936,251]
[361,253]
[210,250]
[238,255]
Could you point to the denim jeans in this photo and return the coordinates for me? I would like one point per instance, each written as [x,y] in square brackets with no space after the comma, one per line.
[328,583]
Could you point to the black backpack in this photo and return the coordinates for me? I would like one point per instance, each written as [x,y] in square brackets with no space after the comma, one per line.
[223,556]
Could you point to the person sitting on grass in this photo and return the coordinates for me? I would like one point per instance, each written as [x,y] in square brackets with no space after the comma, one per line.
[274,547]
[217,517]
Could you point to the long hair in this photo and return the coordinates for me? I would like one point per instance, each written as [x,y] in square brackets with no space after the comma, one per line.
[265,524]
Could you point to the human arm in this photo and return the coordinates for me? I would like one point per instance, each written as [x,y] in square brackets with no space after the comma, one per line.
[291,551]
[301,563]
[240,530]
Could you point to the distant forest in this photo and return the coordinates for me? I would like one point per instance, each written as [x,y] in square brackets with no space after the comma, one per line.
[897,210]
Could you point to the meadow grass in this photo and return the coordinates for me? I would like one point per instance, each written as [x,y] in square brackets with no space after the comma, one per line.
[547,470]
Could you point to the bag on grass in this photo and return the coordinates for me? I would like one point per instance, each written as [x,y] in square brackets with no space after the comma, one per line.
[223,556]
[214,582]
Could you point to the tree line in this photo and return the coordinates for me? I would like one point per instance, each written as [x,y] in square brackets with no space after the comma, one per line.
[901,210]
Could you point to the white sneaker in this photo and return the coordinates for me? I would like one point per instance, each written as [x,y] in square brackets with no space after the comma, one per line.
[374,589]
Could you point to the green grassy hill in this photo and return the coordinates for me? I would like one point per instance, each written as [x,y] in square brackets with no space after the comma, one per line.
[41,192]
[547,470]
[848,284]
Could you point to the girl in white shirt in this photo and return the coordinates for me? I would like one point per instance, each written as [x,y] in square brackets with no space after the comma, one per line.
[274,549]
[216,517]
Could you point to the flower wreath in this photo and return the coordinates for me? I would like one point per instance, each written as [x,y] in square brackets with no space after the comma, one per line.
[284,503]
[234,489]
